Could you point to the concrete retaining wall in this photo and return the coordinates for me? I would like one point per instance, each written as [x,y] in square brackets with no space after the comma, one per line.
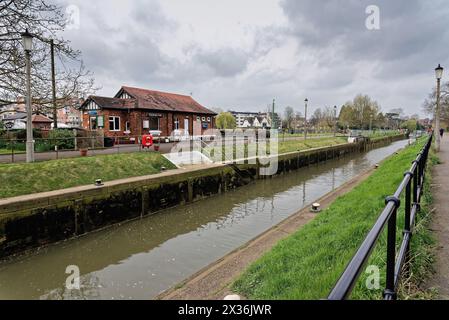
[39,219]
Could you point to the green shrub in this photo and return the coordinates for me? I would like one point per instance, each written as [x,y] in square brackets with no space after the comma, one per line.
[64,139]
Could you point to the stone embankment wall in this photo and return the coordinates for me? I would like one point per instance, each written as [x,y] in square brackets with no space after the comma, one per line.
[39,219]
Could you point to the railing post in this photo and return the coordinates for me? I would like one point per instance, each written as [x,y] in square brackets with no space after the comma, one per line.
[415,183]
[390,292]
[407,222]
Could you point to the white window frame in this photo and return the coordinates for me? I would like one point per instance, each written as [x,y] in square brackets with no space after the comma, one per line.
[91,123]
[114,119]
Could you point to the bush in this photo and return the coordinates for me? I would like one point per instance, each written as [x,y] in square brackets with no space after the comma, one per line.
[64,139]
[22,134]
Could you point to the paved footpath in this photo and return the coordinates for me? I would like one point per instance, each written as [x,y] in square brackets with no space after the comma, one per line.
[440,223]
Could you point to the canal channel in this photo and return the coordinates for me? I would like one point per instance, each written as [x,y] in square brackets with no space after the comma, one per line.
[142,258]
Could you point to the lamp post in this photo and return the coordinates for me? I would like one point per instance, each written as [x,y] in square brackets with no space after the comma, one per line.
[27,40]
[305,119]
[371,123]
[335,119]
[439,75]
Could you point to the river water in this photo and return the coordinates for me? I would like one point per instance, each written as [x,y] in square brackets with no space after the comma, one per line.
[140,259]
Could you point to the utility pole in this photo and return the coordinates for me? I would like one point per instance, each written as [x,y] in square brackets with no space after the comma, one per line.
[273,122]
[305,119]
[53,84]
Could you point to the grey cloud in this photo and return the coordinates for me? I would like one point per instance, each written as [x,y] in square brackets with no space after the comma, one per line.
[331,34]
[407,27]
[225,62]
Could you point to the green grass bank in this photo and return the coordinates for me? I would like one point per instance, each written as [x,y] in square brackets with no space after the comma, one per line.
[307,264]
[25,178]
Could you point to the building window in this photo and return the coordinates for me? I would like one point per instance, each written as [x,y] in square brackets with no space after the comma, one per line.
[198,118]
[114,123]
[176,124]
[204,118]
[154,123]
[93,123]
[127,126]
[208,119]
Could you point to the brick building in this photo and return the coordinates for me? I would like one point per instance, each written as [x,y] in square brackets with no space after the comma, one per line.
[135,111]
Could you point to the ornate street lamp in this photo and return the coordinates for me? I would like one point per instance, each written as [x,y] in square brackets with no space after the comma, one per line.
[27,40]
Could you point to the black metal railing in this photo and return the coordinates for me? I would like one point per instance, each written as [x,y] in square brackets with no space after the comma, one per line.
[412,183]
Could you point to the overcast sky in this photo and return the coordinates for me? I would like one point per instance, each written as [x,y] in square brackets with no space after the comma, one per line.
[240,54]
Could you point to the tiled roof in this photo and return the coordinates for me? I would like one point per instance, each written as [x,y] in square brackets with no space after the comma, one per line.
[113,103]
[16,116]
[157,100]
[40,118]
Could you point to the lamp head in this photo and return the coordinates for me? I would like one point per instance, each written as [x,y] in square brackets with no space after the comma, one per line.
[27,40]
[439,72]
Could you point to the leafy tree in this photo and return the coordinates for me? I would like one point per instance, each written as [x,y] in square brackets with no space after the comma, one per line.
[398,111]
[359,112]
[411,125]
[225,120]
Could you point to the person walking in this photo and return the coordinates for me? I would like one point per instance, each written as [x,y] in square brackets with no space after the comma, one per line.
[441,132]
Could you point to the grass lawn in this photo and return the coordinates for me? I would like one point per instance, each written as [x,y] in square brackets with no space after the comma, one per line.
[22,178]
[283,146]
[300,145]
[8,151]
[307,264]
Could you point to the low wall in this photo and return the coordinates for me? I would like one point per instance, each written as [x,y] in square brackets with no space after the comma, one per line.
[39,219]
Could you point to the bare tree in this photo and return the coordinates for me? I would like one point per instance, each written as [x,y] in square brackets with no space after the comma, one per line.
[431,101]
[45,21]
[289,114]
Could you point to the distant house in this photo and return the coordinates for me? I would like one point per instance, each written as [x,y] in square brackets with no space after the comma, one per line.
[251,119]
[19,120]
[15,121]
[69,116]
[41,122]
[135,111]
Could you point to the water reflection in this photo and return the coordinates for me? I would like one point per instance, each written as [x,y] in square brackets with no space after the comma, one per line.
[139,259]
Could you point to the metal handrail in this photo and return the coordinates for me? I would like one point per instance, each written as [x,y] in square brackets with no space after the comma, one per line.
[412,183]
